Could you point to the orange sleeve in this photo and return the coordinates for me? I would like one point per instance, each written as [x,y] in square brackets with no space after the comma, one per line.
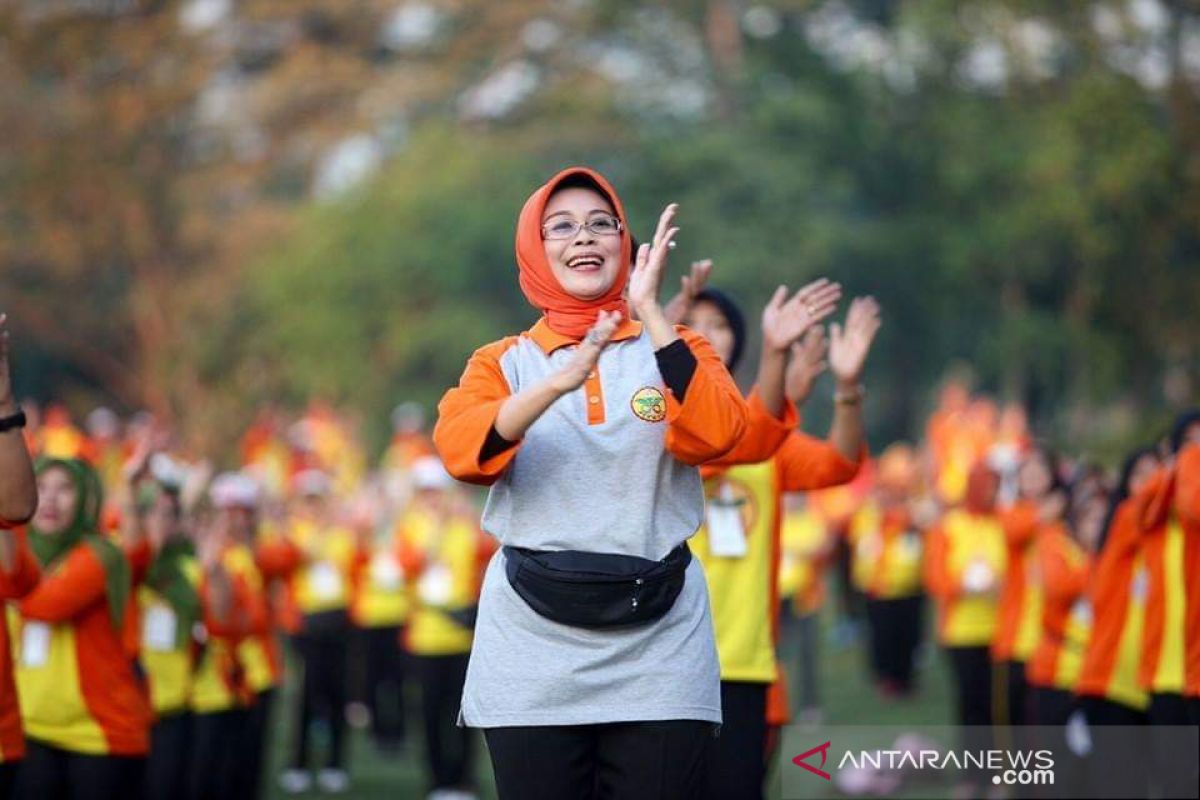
[712,417]
[412,559]
[277,557]
[467,413]
[1020,524]
[25,573]
[1187,483]
[938,580]
[65,592]
[1062,575]
[234,626]
[806,462]
[765,433]
[257,611]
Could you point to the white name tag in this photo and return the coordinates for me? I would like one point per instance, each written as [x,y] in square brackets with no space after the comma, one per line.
[386,573]
[35,644]
[1140,585]
[978,577]
[159,625]
[726,532]
[1081,612]
[436,586]
[325,580]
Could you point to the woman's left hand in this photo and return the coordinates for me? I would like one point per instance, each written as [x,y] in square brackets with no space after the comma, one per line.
[651,265]
[848,348]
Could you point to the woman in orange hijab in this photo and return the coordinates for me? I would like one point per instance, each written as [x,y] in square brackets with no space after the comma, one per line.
[593,669]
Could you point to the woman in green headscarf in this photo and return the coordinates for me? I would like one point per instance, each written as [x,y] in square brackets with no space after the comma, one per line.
[169,605]
[85,711]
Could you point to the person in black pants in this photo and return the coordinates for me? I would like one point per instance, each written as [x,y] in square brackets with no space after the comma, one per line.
[49,773]
[322,647]
[449,747]
[215,766]
[385,667]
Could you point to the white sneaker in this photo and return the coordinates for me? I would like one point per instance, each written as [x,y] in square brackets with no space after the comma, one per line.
[333,781]
[295,781]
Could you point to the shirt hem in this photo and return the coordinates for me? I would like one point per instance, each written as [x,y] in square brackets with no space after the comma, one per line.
[533,718]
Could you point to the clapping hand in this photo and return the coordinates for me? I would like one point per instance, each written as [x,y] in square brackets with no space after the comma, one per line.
[650,265]
[808,362]
[849,346]
[784,321]
[576,371]
[690,285]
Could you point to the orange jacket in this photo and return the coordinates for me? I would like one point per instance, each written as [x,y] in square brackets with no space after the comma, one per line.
[1169,513]
[1118,608]
[81,693]
[13,586]
[1013,642]
[1063,568]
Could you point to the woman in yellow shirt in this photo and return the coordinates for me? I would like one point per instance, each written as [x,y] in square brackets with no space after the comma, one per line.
[443,553]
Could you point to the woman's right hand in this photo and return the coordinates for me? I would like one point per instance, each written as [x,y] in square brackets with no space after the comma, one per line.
[576,371]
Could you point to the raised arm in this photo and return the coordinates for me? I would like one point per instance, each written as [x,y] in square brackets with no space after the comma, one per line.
[18,489]
[848,350]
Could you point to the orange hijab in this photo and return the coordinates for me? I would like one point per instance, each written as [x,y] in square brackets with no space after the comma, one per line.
[565,314]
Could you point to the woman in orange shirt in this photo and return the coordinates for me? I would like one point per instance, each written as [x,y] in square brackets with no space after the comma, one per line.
[1108,689]
[586,413]
[1039,488]
[86,712]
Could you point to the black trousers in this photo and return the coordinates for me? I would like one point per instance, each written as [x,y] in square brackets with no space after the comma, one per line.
[737,767]
[8,776]
[1166,750]
[1051,706]
[170,753]
[254,745]
[1013,700]
[972,667]
[384,691]
[448,748]
[1108,765]
[48,773]
[620,761]
[322,649]
[216,766]
[895,633]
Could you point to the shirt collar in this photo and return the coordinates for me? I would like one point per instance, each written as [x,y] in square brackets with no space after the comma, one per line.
[550,340]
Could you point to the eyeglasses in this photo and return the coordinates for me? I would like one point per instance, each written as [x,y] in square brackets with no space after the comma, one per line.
[566,228]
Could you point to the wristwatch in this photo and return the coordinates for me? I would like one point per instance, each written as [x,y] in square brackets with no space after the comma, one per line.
[12,421]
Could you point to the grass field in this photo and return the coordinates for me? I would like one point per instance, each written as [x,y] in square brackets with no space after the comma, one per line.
[846,691]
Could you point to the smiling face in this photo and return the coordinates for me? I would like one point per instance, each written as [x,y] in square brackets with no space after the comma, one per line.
[57,498]
[586,264]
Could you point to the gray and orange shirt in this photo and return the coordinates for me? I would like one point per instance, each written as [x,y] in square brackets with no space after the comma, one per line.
[610,467]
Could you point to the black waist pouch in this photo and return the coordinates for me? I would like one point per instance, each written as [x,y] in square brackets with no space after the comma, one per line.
[596,590]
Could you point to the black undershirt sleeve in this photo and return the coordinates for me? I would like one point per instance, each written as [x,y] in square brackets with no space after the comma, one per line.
[494,445]
[677,365]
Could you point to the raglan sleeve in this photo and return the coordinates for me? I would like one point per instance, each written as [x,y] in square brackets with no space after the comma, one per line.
[465,434]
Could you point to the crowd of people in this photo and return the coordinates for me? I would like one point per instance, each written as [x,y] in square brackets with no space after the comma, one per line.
[612,618]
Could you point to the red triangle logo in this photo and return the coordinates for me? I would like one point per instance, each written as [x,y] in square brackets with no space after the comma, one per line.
[823,749]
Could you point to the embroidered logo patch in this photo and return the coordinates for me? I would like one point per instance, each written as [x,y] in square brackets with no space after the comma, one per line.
[649,404]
